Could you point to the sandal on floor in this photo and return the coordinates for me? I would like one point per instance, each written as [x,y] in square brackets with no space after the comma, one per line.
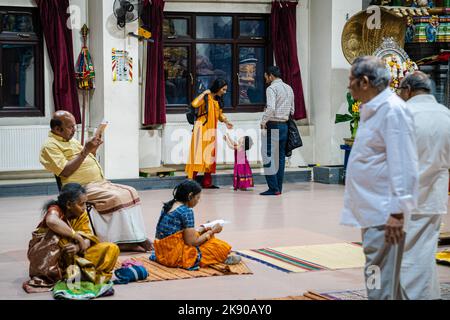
[232,259]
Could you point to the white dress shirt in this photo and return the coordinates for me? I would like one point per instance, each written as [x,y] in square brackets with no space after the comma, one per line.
[382,172]
[432,124]
[280,102]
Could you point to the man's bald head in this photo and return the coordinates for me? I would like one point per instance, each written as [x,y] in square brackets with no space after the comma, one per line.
[63,124]
[58,117]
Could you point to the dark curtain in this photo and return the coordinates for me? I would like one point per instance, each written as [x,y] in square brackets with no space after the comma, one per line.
[155,95]
[284,41]
[54,19]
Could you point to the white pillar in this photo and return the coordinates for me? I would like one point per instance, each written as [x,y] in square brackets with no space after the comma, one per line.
[329,76]
[116,102]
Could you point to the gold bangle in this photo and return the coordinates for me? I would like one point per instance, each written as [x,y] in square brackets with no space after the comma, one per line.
[74,233]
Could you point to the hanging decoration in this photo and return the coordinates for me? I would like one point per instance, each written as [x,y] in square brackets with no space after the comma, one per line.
[122,65]
[85,76]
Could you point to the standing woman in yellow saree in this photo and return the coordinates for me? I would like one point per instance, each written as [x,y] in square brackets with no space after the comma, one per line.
[64,247]
[202,153]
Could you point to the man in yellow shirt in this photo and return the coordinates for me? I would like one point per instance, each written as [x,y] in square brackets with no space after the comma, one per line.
[117,216]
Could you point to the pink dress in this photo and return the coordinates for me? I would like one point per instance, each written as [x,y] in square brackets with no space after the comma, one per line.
[243,177]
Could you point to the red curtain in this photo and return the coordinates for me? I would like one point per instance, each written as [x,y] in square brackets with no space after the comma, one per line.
[284,42]
[155,95]
[54,19]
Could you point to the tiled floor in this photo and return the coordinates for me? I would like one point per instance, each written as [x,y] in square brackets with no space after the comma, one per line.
[306,213]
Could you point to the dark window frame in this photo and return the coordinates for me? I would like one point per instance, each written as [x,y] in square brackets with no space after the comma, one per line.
[189,80]
[236,42]
[25,38]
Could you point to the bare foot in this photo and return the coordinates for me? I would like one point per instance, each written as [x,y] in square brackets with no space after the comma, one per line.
[134,247]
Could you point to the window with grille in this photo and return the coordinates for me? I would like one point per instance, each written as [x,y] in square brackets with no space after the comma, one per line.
[21,63]
[198,48]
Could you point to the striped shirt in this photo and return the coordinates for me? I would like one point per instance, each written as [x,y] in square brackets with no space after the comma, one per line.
[280,102]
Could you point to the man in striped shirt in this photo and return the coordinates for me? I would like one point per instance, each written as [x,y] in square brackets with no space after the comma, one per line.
[280,104]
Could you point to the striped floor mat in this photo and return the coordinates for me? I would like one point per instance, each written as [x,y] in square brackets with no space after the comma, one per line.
[309,258]
[157,272]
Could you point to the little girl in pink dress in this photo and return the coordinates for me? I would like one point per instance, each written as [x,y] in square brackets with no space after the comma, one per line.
[243,178]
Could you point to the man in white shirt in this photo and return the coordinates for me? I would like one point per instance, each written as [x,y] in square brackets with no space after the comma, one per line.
[274,126]
[432,126]
[382,177]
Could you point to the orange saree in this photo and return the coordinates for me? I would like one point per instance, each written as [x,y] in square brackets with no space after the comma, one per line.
[202,153]
[173,252]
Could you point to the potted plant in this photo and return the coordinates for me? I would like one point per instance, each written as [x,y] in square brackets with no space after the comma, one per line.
[352,116]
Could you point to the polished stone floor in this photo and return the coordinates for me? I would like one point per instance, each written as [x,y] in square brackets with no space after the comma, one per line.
[307,213]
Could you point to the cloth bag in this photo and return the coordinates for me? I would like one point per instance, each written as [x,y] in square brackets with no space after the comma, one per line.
[294,139]
[130,271]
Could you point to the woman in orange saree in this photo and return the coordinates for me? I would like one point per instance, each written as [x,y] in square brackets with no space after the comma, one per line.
[177,244]
[202,153]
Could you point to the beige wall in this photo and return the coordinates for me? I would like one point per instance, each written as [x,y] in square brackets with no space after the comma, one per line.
[117,102]
[329,76]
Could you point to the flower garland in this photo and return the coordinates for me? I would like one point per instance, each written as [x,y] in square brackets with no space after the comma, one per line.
[399,71]
[396,71]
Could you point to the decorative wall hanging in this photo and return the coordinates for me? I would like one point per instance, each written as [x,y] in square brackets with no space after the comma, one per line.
[85,75]
[122,65]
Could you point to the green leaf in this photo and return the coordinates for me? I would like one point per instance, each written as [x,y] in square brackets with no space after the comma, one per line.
[343,118]
[350,102]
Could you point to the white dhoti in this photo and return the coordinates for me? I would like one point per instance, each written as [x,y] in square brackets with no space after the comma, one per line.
[383,264]
[117,213]
[419,272]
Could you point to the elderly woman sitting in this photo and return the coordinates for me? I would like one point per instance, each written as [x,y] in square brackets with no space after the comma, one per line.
[63,246]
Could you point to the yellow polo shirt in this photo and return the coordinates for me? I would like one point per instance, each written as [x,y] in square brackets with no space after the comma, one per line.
[55,154]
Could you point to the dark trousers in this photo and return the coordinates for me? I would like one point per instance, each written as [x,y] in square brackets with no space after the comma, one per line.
[274,154]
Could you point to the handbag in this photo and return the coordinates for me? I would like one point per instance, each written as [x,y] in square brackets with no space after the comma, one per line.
[192,113]
[294,139]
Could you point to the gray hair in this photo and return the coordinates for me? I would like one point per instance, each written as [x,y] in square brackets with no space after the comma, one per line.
[374,69]
[417,81]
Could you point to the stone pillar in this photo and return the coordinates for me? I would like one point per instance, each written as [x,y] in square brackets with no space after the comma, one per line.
[116,102]
[329,76]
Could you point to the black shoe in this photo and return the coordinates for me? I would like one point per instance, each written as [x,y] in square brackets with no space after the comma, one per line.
[270,193]
[211,187]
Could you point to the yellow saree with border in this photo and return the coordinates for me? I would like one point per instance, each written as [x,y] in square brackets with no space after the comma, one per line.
[202,152]
[95,265]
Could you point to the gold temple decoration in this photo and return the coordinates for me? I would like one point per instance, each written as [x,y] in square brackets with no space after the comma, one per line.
[360,40]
